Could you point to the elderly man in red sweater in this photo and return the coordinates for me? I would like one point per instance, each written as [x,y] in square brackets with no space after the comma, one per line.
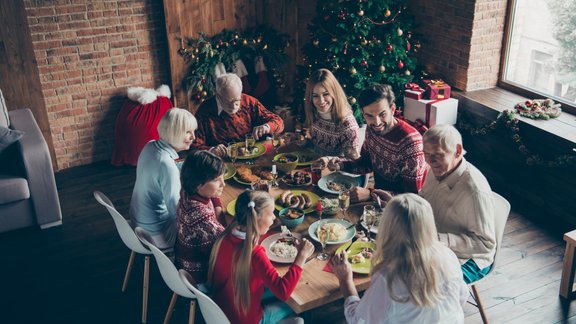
[393,149]
[230,115]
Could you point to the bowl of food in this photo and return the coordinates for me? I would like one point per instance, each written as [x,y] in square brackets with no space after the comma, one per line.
[291,217]
[286,162]
[330,206]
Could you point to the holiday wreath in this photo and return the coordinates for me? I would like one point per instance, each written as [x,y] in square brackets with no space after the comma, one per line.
[223,52]
[538,109]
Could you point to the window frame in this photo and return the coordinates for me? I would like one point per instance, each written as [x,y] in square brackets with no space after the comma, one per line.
[514,87]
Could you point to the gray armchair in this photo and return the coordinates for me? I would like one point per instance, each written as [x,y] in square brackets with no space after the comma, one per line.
[28,193]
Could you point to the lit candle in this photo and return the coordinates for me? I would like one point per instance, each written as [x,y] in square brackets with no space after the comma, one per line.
[273,168]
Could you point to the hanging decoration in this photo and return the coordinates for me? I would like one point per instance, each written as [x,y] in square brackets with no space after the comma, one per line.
[508,119]
[538,109]
[211,55]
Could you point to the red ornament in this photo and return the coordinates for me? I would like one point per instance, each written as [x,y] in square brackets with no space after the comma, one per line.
[389,47]
[364,63]
[400,65]
[408,47]
[345,48]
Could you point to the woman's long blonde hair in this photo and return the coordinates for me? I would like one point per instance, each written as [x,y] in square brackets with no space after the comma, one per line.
[245,216]
[408,250]
[340,109]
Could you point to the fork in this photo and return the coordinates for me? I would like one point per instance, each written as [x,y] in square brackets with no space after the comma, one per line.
[354,239]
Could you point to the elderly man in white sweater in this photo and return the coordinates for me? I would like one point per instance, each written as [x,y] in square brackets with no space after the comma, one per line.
[462,202]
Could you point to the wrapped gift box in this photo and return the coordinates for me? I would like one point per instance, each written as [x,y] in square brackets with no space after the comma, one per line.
[431,112]
[413,91]
[436,89]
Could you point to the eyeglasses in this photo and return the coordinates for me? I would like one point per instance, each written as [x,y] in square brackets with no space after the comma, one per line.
[228,101]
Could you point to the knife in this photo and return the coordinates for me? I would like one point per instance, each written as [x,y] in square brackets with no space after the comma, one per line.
[351,243]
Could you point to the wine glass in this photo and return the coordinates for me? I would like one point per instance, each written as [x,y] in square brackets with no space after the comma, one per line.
[344,202]
[232,152]
[322,235]
[369,216]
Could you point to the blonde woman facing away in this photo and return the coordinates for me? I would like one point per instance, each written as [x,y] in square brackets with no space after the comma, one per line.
[157,188]
[415,278]
[239,269]
[333,128]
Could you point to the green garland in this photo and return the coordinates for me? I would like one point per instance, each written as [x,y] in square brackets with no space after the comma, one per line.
[205,52]
[538,109]
[510,121]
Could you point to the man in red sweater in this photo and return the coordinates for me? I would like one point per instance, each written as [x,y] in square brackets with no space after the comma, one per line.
[392,149]
[230,115]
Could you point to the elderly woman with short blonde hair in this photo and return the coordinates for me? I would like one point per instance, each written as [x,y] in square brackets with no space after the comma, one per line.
[157,189]
[230,115]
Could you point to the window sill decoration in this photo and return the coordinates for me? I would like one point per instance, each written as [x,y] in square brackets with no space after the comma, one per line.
[508,119]
[228,47]
[538,109]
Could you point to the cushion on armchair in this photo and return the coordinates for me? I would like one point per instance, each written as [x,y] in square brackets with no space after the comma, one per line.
[8,137]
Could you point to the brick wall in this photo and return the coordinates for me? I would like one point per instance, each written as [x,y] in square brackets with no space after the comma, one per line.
[88,53]
[461,39]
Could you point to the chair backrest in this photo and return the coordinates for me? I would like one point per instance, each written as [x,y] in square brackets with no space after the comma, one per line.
[167,269]
[211,312]
[124,229]
[501,212]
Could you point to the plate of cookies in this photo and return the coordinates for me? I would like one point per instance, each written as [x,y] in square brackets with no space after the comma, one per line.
[300,199]
[249,174]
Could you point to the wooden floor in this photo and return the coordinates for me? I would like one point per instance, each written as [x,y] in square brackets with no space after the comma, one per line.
[73,273]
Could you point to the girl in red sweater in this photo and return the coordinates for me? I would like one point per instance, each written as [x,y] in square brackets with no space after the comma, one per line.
[239,269]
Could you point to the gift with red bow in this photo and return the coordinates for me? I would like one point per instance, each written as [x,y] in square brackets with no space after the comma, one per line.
[413,91]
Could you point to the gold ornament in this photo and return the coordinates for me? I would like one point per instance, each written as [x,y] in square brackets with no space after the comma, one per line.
[400,32]
[387,13]
[382,68]
[361,13]
[204,93]
[352,70]
[245,42]
[334,39]
[199,87]
[352,100]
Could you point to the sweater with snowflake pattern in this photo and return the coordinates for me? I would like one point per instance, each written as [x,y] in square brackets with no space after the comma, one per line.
[397,159]
[198,228]
[331,138]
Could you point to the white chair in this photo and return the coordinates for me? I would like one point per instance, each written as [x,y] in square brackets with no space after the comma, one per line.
[210,310]
[170,275]
[501,212]
[131,241]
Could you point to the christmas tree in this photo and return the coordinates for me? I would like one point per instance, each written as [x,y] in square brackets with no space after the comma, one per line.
[361,42]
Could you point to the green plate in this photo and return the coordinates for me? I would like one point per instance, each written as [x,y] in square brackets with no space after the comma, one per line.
[229,172]
[237,179]
[306,158]
[314,197]
[260,150]
[363,268]
[231,207]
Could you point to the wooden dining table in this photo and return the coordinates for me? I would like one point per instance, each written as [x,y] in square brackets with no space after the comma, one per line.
[316,286]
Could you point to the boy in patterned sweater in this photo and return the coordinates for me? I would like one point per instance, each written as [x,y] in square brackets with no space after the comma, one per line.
[393,149]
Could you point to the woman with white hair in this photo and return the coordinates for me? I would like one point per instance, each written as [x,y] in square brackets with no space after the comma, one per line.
[230,115]
[157,189]
[415,278]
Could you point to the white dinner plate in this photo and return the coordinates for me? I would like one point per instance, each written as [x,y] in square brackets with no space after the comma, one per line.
[349,234]
[267,244]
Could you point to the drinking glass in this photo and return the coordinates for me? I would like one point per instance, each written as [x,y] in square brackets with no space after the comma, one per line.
[276,142]
[344,202]
[316,171]
[232,152]
[250,142]
[323,238]
[370,217]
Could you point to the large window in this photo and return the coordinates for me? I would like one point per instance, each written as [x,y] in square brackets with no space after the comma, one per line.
[540,50]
